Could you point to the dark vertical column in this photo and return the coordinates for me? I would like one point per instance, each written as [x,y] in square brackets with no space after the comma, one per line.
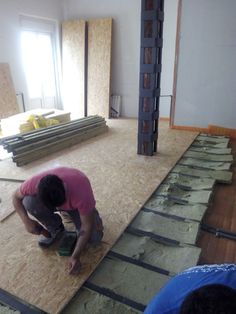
[152,17]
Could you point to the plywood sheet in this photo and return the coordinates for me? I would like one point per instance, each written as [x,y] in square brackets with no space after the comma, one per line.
[8,101]
[6,190]
[73,57]
[122,182]
[99,66]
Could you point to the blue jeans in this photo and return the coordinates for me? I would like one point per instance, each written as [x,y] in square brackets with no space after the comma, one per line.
[52,220]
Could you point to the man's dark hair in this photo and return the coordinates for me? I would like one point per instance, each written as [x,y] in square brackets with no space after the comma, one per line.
[51,191]
[210,299]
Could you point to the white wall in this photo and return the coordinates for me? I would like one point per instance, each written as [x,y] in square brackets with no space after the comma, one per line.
[206,85]
[10,29]
[168,55]
[126,43]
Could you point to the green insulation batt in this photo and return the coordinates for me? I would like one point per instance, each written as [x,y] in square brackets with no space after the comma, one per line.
[209,145]
[171,208]
[184,232]
[205,164]
[176,193]
[171,258]
[127,280]
[89,302]
[220,176]
[213,139]
[210,150]
[208,157]
[190,183]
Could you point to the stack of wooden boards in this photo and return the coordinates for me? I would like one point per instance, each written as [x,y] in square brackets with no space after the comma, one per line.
[42,142]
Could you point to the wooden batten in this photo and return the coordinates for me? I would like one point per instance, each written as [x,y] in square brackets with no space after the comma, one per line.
[39,143]
[189,128]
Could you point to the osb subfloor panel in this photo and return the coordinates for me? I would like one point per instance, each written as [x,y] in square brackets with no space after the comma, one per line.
[6,190]
[221,214]
[122,182]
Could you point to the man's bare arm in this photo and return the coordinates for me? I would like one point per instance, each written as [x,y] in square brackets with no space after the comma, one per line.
[84,236]
[32,226]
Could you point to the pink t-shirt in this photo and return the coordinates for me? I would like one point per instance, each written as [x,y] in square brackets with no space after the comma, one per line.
[79,194]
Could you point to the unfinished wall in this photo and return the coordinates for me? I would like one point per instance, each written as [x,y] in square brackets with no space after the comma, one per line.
[10,32]
[206,92]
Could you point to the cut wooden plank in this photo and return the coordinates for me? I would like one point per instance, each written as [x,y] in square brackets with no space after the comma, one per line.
[184,232]
[8,101]
[127,280]
[220,176]
[6,206]
[171,208]
[73,62]
[171,258]
[99,66]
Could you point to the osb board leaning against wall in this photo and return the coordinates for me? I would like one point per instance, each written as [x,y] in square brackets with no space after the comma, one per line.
[122,181]
[8,101]
[73,56]
[99,66]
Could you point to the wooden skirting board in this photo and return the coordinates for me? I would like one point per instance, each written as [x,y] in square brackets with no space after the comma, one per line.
[122,182]
[211,129]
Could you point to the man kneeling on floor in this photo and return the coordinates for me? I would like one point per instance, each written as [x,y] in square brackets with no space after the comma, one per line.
[59,189]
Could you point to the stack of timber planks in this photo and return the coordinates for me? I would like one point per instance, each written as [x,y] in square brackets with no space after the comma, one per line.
[42,142]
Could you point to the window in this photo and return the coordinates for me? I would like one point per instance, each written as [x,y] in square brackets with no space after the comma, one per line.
[39,62]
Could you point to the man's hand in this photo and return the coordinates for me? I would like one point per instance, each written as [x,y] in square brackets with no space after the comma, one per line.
[32,226]
[74,265]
